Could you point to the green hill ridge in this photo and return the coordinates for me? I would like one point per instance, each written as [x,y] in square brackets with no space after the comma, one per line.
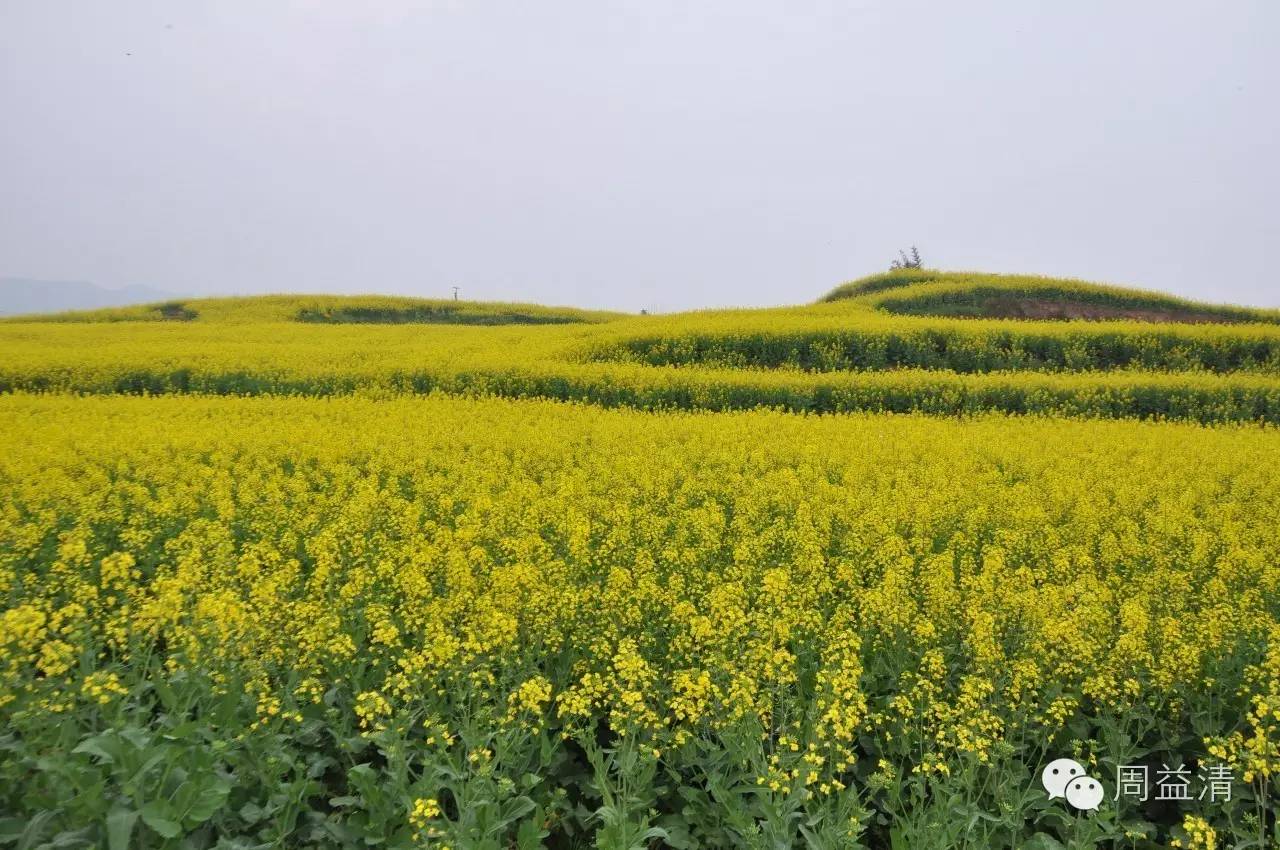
[910,341]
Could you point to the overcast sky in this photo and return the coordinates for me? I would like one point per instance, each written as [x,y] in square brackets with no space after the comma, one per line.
[637,154]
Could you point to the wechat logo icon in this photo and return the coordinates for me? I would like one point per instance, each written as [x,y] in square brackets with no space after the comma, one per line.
[1066,778]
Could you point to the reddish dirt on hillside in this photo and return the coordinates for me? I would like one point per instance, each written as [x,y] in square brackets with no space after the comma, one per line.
[1043,308]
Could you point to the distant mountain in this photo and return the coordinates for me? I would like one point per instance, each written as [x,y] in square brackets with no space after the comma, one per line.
[22,295]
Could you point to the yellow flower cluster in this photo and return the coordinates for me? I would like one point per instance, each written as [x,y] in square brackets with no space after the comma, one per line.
[530,697]
[102,687]
[1200,834]
[424,810]
[372,709]
[1256,749]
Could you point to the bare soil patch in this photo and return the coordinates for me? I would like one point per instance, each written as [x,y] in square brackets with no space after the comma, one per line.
[1043,308]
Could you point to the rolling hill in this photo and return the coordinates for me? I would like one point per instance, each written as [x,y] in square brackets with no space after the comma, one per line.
[933,342]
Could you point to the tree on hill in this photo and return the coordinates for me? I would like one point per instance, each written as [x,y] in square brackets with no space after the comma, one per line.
[905,262]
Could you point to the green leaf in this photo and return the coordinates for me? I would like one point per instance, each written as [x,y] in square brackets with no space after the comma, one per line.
[180,732]
[207,802]
[137,736]
[70,838]
[35,829]
[11,829]
[119,828]
[160,816]
[251,813]
[511,811]
[104,746]
[341,802]
[163,690]
[1043,841]
[146,766]
[530,833]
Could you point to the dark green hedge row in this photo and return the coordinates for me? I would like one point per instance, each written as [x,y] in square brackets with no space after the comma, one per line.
[961,350]
[1204,399]
[996,301]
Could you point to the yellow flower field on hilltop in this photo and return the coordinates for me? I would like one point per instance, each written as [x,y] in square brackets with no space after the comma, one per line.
[846,355]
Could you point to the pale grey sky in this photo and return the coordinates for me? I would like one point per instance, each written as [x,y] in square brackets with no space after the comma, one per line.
[653,153]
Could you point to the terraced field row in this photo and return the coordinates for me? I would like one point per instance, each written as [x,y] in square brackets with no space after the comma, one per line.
[828,358]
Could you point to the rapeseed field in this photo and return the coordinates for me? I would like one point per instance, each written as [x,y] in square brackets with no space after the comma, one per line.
[843,355]
[600,581]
